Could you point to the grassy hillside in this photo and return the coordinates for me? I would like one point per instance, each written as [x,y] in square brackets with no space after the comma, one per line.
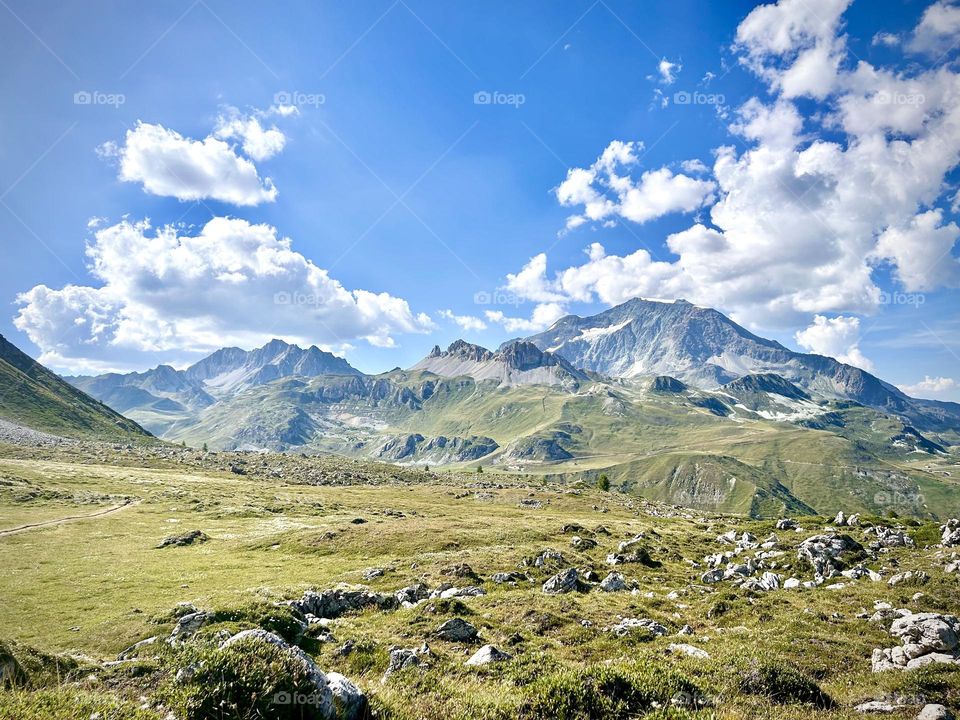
[668,446]
[33,396]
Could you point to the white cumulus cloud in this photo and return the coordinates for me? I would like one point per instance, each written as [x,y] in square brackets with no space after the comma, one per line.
[807,203]
[166,163]
[930,387]
[467,322]
[232,283]
[835,337]
[938,29]
[606,189]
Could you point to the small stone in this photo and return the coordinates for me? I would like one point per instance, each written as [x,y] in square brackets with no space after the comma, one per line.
[488,654]
[688,650]
[457,630]
[933,711]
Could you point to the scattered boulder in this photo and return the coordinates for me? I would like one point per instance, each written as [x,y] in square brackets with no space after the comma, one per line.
[925,638]
[627,625]
[581,543]
[562,582]
[933,711]
[950,533]
[445,593]
[461,570]
[910,577]
[859,571]
[401,658]
[888,537]
[787,524]
[412,594]
[689,650]
[187,538]
[334,603]
[188,626]
[828,553]
[488,654]
[502,578]
[766,582]
[457,630]
[614,582]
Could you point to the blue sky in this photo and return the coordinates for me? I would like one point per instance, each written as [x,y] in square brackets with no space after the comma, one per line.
[424,160]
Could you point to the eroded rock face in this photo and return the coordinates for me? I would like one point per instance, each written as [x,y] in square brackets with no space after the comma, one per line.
[925,638]
[888,537]
[334,603]
[627,625]
[827,552]
[336,697]
[950,533]
[562,582]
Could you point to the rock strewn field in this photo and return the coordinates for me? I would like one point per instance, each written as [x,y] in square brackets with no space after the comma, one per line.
[233,584]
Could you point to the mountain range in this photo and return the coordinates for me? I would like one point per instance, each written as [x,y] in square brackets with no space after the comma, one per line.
[668,400]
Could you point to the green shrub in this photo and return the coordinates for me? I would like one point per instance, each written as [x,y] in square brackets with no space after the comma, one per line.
[926,535]
[602,692]
[239,681]
[279,619]
[781,683]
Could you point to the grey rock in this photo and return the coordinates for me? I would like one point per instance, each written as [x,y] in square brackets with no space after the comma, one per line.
[876,707]
[412,594]
[933,711]
[401,658]
[188,626]
[457,630]
[562,582]
[334,603]
[627,625]
[187,538]
[488,654]
[614,582]
[580,543]
[688,650]
[826,553]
